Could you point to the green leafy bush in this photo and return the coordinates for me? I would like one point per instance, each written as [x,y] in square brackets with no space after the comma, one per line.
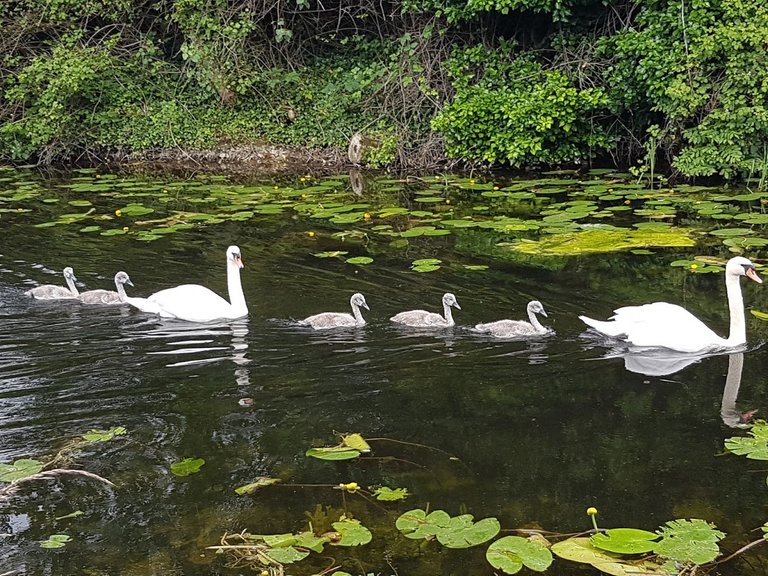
[515,112]
[698,70]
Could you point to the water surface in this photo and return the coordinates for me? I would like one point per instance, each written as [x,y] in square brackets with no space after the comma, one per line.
[538,430]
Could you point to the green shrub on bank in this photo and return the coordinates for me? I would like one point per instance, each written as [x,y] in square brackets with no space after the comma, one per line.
[511,110]
[698,71]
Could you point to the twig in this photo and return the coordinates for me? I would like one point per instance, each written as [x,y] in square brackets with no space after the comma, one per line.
[13,487]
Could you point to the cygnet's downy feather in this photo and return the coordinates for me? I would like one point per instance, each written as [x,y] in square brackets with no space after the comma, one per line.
[517,328]
[108,297]
[52,292]
[424,319]
[326,320]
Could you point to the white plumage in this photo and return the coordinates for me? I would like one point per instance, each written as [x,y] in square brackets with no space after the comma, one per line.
[195,303]
[671,326]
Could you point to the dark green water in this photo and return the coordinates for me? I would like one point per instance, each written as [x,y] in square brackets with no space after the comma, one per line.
[539,430]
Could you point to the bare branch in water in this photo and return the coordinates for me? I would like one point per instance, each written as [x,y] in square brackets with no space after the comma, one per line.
[13,487]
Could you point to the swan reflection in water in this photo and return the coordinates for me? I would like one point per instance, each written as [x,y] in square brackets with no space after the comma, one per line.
[666,363]
[728,412]
[198,343]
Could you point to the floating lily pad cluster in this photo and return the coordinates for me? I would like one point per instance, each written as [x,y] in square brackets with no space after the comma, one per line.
[626,551]
[552,216]
[279,549]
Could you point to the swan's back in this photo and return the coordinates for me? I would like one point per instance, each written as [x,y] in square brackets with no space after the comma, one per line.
[327,320]
[660,324]
[419,319]
[191,302]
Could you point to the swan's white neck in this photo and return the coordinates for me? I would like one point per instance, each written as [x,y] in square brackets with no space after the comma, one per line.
[535,321]
[448,314]
[235,289]
[356,313]
[738,332]
[71,285]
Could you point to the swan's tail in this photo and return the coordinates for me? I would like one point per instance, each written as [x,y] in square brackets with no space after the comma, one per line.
[609,328]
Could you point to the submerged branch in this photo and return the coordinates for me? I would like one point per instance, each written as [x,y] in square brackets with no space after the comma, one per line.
[54,474]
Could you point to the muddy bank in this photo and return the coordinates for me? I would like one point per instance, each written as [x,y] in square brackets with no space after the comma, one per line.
[250,159]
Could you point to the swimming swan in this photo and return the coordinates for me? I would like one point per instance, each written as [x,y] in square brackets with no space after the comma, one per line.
[515,328]
[195,303]
[108,297]
[337,319]
[51,292]
[670,326]
[424,319]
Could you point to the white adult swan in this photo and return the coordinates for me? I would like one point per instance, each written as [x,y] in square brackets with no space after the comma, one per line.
[670,326]
[108,297]
[338,319]
[195,303]
[424,319]
[52,292]
[517,328]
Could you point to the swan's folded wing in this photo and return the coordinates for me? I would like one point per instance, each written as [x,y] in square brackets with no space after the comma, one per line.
[664,325]
[191,302]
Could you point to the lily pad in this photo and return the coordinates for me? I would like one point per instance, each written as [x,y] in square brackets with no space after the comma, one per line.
[511,553]
[135,210]
[286,555]
[755,447]
[352,446]
[260,482]
[625,541]
[581,550]
[330,254]
[462,532]
[104,435]
[689,541]
[389,494]
[187,466]
[417,524]
[359,260]
[22,468]
[55,541]
[353,533]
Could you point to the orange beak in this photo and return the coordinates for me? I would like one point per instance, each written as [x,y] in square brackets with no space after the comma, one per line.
[752,275]
[240,264]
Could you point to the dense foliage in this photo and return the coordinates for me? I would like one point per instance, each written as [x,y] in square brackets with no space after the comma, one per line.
[506,82]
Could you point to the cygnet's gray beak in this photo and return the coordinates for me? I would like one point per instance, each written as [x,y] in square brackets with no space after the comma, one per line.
[365,305]
[456,305]
[129,282]
[543,313]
